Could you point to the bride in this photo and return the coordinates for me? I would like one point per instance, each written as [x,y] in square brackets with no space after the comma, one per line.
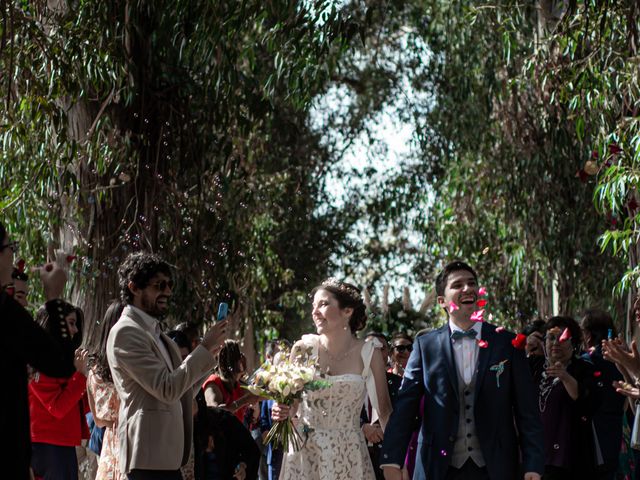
[334,446]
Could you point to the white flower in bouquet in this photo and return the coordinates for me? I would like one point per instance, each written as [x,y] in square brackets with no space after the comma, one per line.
[285,383]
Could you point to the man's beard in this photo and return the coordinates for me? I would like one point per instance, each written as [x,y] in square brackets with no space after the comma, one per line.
[151,307]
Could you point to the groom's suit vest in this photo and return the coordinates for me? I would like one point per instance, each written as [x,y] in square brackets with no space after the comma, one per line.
[467,444]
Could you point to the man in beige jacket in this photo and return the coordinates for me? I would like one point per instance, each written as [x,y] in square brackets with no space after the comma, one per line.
[155,386]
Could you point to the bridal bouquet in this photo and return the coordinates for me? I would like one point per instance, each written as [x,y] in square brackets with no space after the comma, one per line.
[284,383]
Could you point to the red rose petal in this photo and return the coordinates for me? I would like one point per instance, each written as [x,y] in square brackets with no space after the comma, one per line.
[20,265]
[566,335]
[48,267]
[499,329]
[70,258]
[481,303]
[597,373]
[482,343]
[519,341]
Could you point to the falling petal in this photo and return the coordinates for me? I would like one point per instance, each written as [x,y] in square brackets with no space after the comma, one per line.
[597,373]
[499,329]
[453,307]
[485,250]
[482,343]
[481,303]
[477,316]
[482,291]
[566,335]
[70,258]
[20,265]
[519,341]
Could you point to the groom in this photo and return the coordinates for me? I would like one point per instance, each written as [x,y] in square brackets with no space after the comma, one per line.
[480,415]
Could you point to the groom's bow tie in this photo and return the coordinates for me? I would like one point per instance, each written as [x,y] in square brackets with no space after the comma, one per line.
[458,334]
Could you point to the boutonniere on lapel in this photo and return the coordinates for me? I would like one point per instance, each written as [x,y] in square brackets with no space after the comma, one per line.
[499,369]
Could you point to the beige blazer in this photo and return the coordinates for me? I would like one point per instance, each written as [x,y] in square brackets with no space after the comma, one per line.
[155,418]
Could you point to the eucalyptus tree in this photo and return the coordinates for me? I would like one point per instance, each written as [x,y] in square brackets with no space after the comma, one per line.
[178,127]
[492,178]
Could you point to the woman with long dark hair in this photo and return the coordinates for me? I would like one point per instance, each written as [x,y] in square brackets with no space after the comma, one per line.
[103,398]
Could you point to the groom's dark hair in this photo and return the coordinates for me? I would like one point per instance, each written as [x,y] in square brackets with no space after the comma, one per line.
[449,268]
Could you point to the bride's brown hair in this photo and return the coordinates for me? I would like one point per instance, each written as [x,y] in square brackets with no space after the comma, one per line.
[348,296]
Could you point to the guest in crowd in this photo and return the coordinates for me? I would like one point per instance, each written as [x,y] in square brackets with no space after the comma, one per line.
[224,388]
[192,333]
[568,398]
[103,398]
[24,343]
[230,451]
[58,405]
[597,325]
[181,341]
[19,286]
[401,347]
[371,427]
[155,386]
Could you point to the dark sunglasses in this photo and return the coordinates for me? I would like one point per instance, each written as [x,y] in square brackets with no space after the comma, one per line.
[162,285]
[12,245]
[403,348]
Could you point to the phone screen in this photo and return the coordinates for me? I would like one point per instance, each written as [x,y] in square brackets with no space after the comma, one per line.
[223,311]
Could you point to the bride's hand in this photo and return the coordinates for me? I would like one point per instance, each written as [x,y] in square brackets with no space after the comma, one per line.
[280,412]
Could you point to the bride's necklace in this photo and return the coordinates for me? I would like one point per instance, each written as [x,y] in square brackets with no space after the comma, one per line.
[337,358]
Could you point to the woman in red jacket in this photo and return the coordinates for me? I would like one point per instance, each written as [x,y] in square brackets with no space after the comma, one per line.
[58,405]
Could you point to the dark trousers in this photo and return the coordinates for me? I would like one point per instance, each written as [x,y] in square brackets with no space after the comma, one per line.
[54,462]
[137,474]
[468,471]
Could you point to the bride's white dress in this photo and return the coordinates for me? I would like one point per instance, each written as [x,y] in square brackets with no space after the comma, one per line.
[335,447]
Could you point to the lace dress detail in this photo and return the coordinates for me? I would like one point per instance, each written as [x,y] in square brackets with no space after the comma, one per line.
[335,447]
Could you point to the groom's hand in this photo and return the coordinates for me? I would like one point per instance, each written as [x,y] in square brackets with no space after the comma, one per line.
[531,476]
[392,473]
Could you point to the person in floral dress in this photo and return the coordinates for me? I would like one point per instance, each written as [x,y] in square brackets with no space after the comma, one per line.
[103,399]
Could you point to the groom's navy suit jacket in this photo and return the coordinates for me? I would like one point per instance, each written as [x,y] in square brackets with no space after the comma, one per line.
[506,413]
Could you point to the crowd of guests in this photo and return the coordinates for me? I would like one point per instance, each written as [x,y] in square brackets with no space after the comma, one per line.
[133,387]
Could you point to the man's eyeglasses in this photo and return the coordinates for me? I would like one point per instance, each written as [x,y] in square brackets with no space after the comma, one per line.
[12,245]
[162,285]
[403,348]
